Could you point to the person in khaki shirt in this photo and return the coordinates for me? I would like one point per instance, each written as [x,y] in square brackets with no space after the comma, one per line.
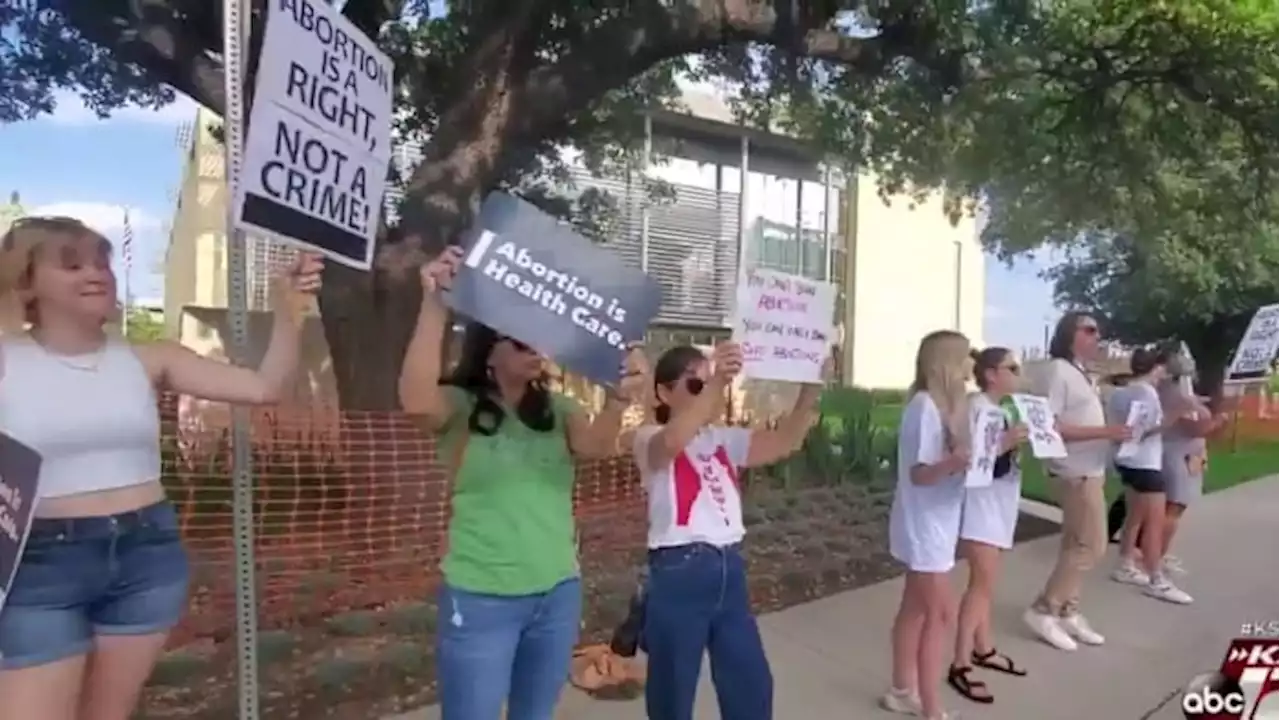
[1077,480]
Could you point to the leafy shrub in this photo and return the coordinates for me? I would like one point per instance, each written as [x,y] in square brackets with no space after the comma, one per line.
[854,440]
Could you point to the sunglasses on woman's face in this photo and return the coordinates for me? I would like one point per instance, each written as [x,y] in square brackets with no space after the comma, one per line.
[692,384]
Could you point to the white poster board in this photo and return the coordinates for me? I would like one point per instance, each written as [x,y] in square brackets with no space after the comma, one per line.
[1257,349]
[1142,418]
[986,428]
[1042,432]
[784,324]
[319,135]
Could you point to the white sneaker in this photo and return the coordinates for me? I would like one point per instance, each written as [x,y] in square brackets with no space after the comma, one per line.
[1079,628]
[1172,564]
[1161,589]
[903,702]
[1047,628]
[1129,574]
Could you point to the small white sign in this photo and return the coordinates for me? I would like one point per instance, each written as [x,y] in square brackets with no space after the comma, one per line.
[986,428]
[1142,418]
[1257,349]
[784,324]
[1042,432]
[319,138]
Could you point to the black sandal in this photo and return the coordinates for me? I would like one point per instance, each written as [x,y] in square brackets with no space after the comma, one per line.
[975,690]
[993,660]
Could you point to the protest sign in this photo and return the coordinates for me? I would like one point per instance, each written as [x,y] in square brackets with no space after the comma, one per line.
[1258,348]
[319,135]
[986,430]
[19,476]
[527,275]
[784,325]
[1042,431]
[1143,416]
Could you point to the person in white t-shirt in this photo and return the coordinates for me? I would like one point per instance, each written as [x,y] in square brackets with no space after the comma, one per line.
[924,522]
[986,528]
[696,600]
[1140,464]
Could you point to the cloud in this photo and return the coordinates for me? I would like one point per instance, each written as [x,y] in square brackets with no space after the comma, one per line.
[70,110]
[106,218]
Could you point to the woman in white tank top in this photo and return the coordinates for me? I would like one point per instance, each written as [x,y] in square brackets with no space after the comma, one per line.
[103,577]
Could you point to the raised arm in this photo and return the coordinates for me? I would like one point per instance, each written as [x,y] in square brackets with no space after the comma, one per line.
[421,396]
[769,445]
[680,430]
[174,367]
[599,438]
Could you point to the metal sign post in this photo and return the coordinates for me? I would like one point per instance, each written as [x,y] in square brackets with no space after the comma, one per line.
[235,42]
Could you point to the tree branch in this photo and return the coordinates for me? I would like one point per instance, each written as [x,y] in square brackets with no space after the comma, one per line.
[655,31]
[179,43]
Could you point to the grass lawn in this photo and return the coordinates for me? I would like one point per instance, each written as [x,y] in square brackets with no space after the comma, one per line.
[1226,469]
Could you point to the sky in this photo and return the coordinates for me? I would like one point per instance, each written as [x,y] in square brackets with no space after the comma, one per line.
[73,163]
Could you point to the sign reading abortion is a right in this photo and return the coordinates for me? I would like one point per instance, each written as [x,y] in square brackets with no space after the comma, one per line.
[319,136]
[528,276]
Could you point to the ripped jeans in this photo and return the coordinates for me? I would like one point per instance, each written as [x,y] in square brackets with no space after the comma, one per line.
[495,649]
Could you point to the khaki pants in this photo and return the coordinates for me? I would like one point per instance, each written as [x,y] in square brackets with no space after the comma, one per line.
[1084,541]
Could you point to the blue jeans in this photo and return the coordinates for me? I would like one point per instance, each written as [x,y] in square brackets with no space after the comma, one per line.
[122,574]
[697,602]
[492,649]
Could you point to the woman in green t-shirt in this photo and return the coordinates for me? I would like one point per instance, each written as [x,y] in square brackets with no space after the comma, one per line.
[510,604]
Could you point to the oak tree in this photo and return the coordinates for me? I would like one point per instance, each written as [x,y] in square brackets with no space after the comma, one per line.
[1048,113]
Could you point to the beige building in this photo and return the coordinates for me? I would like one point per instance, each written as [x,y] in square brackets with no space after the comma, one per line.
[902,269]
[195,267]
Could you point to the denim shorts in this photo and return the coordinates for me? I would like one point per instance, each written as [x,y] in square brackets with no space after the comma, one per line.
[122,574]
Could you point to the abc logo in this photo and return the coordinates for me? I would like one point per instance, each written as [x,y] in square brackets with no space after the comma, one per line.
[1212,695]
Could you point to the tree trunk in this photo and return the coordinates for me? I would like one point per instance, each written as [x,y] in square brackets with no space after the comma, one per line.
[369,317]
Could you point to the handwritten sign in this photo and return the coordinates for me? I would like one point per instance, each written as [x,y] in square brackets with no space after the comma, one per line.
[1042,433]
[784,324]
[986,429]
[1258,348]
[1142,418]
[19,477]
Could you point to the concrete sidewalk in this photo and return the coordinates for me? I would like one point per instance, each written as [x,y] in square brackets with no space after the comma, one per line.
[830,657]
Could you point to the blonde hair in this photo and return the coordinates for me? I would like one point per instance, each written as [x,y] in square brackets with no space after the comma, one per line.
[942,371]
[17,261]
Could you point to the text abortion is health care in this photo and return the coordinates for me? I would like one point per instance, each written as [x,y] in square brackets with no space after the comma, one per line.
[550,288]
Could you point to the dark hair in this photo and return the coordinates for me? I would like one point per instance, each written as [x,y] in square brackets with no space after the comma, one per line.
[985,360]
[669,368]
[1064,335]
[473,377]
[1145,359]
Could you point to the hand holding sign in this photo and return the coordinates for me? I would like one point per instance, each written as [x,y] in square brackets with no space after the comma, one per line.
[1015,436]
[635,376]
[296,288]
[726,361]
[437,274]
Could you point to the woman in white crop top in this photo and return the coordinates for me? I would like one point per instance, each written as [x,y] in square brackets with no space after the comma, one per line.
[103,577]
[697,599]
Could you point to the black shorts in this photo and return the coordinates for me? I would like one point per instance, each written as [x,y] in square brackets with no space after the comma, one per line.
[1141,480]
